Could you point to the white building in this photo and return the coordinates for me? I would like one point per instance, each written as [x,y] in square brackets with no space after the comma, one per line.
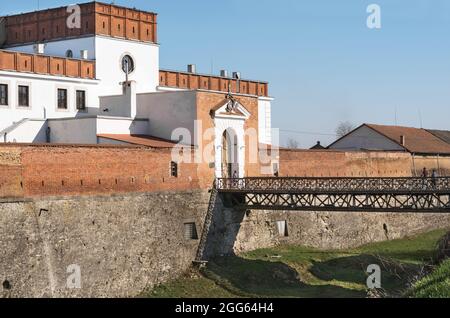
[99,81]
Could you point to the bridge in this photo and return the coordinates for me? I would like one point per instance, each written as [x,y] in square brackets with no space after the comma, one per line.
[338,194]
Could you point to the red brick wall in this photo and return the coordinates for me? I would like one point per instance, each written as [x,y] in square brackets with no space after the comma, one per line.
[313,163]
[36,170]
[96,18]
[28,171]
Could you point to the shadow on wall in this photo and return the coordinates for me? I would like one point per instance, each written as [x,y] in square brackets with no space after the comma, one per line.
[224,229]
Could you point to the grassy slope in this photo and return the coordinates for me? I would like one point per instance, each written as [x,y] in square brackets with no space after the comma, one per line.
[435,285]
[293,271]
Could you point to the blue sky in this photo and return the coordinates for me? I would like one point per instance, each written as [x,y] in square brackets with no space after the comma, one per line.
[323,64]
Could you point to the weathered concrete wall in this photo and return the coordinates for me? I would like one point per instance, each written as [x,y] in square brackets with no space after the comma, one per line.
[241,231]
[125,244]
[122,244]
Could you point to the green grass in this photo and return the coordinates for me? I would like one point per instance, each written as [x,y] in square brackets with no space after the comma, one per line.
[435,285]
[295,271]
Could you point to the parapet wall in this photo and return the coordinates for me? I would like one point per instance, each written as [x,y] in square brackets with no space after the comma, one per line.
[39,171]
[65,170]
[330,163]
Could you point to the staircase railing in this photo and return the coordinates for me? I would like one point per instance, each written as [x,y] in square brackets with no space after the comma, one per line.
[207,225]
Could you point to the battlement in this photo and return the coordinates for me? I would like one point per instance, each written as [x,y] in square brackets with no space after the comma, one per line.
[46,65]
[192,81]
[96,19]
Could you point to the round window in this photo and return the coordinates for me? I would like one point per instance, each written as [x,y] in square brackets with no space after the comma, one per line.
[127,64]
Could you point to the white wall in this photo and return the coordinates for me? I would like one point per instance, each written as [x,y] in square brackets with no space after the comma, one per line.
[125,126]
[28,131]
[265,121]
[120,105]
[365,138]
[168,111]
[69,130]
[109,53]
[60,47]
[43,95]
[85,130]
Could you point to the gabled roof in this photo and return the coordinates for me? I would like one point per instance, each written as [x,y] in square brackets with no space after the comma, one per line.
[417,140]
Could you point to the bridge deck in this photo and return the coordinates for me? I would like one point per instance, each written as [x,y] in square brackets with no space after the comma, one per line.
[340,194]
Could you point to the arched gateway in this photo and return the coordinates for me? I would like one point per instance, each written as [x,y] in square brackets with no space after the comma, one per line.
[229,121]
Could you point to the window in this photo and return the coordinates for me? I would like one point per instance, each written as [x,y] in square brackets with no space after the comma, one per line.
[81,100]
[174,169]
[62,98]
[24,96]
[275,168]
[3,94]
[127,64]
[282,228]
[190,231]
[69,54]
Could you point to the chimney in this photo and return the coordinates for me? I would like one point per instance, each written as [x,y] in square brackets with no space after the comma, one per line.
[84,54]
[403,140]
[223,73]
[237,75]
[191,68]
[39,48]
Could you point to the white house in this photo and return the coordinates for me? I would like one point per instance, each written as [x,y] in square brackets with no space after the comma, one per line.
[99,81]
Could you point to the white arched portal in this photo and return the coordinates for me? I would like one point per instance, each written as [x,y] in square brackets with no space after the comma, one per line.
[229,128]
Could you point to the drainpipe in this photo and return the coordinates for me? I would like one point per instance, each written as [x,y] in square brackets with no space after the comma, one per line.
[439,165]
[414,164]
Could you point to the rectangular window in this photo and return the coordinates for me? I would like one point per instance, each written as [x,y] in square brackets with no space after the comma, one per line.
[282,228]
[3,94]
[62,98]
[190,231]
[24,96]
[174,169]
[275,169]
[81,100]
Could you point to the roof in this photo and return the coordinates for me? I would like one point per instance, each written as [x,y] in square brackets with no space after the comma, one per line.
[441,134]
[142,140]
[317,146]
[417,140]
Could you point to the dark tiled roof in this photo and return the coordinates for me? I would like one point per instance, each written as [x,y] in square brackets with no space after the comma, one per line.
[416,140]
[442,134]
[317,146]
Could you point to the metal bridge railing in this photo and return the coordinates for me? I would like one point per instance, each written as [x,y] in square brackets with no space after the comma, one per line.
[343,185]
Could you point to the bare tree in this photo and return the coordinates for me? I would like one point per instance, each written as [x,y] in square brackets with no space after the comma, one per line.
[292,144]
[344,128]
